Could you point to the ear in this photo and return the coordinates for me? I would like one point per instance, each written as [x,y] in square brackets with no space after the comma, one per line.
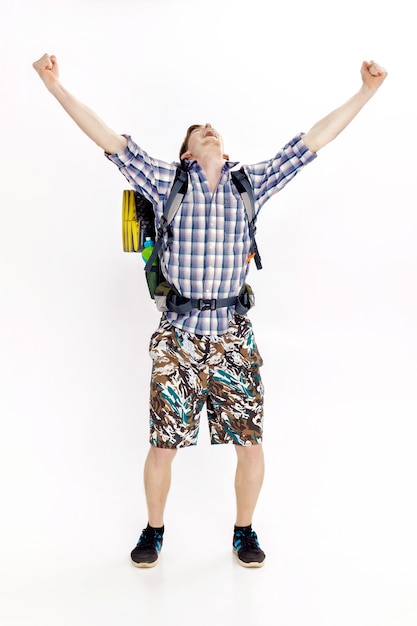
[226,157]
[186,155]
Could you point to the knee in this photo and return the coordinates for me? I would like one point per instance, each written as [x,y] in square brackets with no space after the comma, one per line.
[161,457]
[250,454]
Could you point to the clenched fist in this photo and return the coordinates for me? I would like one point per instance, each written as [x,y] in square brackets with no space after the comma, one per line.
[47,68]
[373,75]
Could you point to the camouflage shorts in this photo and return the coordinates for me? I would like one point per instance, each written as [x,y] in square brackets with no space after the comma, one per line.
[192,370]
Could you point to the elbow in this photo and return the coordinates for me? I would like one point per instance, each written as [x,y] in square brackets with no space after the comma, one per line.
[114,144]
[312,142]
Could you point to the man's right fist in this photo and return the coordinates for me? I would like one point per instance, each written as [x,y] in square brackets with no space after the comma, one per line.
[47,68]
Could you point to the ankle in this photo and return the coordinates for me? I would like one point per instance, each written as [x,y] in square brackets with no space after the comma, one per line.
[247,528]
[159,529]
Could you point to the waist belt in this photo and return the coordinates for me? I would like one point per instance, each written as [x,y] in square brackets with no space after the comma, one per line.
[179,304]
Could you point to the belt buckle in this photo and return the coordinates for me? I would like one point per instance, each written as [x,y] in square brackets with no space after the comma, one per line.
[207,304]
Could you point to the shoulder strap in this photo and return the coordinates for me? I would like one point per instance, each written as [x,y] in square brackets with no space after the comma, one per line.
[176,195]
[245,189]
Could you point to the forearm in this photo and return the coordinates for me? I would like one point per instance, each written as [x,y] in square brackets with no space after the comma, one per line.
[332,125]
[88,121]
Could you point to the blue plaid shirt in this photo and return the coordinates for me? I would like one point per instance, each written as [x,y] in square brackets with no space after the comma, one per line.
[207,258]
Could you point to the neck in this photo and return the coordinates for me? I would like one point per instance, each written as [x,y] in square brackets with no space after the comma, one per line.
[212,168]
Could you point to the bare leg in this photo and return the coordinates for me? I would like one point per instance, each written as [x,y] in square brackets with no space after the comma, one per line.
[248,482]
[157,479]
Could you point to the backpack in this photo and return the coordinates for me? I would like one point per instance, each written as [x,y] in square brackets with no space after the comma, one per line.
[139,235]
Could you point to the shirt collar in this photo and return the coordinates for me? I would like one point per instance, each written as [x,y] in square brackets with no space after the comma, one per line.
[228,165]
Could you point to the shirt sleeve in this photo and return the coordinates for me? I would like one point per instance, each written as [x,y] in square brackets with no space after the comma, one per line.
[269,177]
[151,177]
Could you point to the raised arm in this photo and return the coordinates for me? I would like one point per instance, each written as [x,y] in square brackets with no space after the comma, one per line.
[85,118]
[373,75]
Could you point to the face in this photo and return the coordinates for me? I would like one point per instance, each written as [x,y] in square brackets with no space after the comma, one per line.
[202,138]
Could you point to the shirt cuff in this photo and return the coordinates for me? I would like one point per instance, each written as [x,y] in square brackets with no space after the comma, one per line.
[300,149]
[124,158]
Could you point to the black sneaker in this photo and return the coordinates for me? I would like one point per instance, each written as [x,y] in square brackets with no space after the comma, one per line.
[148,547]
[247,549]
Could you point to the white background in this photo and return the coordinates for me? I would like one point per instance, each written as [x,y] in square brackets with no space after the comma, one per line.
[335,318]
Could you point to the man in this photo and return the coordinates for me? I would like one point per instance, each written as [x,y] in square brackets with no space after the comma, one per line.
[209,355]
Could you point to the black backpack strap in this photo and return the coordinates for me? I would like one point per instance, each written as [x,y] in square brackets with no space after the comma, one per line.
[176,195]
[243,186]
[242,303]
